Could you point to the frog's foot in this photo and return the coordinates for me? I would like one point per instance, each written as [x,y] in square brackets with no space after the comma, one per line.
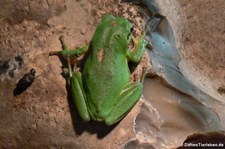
[135,41]
[60,53]
[63,53]
[139,44]
[139,41]
[66,53]
[127,98]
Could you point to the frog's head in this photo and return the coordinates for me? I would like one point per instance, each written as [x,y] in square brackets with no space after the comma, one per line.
[121,25]
[125,28]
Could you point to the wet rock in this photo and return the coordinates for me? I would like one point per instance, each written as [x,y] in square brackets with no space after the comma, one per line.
[198,109]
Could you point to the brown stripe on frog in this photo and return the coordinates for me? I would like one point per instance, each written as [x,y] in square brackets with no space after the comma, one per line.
[100,55]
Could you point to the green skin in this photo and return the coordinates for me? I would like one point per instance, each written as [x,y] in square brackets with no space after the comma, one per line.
[104,91]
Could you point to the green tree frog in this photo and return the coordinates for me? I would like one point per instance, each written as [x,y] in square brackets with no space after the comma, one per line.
[103,90]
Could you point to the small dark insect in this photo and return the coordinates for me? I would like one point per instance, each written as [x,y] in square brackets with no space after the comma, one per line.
[24,82]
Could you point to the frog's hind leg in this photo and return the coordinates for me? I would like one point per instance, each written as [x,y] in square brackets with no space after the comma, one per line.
[127,98]
[75,87]
[79,96]
[74,79]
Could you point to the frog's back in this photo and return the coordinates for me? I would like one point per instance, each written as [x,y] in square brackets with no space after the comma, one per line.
[106,71]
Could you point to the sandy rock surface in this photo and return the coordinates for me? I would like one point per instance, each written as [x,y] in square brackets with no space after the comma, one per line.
[42,116]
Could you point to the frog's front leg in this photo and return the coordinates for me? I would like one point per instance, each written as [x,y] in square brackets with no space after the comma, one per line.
[139,45]
[66,53]
[127,98]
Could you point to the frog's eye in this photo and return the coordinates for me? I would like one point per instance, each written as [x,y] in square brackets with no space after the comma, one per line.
[132,29]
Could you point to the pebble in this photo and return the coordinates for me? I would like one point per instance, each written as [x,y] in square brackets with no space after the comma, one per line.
[82,30]
[126,15]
